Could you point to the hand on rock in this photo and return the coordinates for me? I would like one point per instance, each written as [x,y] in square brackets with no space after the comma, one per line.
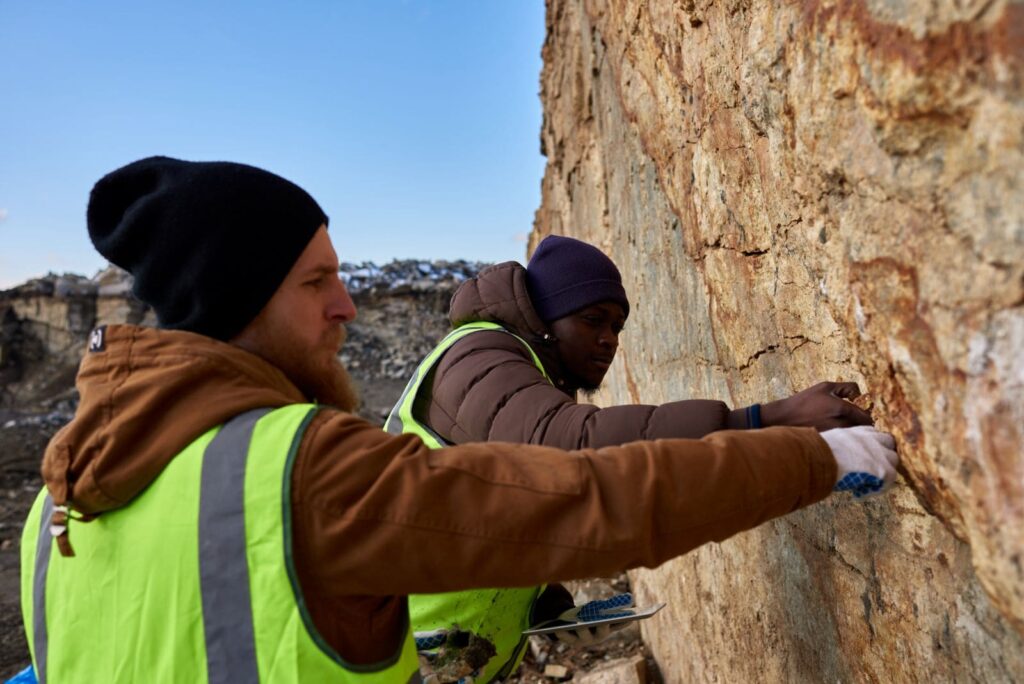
[824,406]
[866,460]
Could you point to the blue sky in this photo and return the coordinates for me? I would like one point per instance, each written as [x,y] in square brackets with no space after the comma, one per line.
[415,124]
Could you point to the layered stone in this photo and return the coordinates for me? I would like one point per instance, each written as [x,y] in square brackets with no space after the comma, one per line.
[798,191]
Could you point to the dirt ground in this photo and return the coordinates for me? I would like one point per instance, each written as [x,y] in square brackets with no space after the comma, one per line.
[578,661]
[20,450]
[582,661]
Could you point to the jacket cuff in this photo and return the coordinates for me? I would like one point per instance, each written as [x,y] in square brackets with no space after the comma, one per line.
[824,470]
[737,419]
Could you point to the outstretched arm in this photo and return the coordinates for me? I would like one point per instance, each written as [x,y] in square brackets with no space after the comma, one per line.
[487,388]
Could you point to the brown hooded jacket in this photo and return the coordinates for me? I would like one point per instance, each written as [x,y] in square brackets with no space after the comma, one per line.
[377,517]
[487,387]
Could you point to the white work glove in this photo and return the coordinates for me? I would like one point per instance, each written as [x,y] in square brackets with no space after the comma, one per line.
[866,460]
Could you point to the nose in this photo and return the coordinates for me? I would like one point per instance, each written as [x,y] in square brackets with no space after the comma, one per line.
[609,338]
[341,309]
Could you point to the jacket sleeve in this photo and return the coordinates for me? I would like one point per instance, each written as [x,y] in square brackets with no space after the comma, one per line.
[377,515]
[487,388]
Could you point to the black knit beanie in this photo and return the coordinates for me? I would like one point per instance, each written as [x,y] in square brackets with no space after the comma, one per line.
[208,243]
[566,275]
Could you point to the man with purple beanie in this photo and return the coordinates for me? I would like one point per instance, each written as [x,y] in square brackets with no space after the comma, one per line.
[525,342]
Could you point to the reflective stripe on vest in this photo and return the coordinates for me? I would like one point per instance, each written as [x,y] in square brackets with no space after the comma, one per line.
[499,615]
[223,570]
[175,587]
[42,564]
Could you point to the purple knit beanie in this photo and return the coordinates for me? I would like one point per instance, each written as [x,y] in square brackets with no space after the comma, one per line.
[566,275]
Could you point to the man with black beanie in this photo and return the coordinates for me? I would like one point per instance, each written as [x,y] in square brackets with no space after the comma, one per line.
[214,511]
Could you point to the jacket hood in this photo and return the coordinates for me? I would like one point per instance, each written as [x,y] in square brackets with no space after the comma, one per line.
[145,395]
[498,294]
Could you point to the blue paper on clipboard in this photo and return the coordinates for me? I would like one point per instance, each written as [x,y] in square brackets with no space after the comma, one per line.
[618,609]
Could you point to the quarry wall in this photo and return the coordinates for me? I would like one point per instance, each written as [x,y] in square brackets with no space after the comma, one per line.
[800,191]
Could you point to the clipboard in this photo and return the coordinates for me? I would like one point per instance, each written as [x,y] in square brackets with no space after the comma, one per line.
[561,625]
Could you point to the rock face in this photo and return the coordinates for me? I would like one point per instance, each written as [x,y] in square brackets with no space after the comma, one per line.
[797,191]
[43,327]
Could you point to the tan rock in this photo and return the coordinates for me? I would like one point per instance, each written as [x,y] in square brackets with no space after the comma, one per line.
[556,671]
[805,191]
[623,671]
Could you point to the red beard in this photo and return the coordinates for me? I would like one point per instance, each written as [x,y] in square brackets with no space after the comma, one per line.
[322,379]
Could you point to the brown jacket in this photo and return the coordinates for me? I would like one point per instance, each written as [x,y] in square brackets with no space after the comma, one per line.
[377,517]
[487,387]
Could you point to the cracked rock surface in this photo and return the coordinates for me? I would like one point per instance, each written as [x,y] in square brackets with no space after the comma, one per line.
[799,191]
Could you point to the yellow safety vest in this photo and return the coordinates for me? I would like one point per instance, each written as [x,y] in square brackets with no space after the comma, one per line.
[498,615]
[194,580]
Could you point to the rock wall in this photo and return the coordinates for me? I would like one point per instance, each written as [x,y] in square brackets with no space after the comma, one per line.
[798,191]
[45,323]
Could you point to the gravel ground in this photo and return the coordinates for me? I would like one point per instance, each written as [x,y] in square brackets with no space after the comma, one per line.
[19,484]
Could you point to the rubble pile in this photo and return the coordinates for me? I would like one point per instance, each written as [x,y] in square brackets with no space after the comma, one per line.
[402,314]
[407,275]
[44,323]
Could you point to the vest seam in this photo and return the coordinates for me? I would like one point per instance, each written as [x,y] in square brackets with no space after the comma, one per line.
[289,557]
[418,425]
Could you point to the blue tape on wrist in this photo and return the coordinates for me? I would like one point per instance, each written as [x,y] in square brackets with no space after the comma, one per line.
[754,417]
